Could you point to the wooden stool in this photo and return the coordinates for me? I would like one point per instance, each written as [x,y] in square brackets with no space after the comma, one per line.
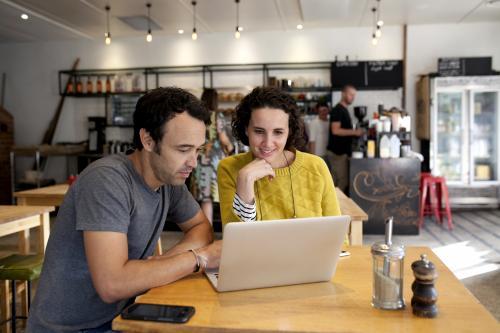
[437,190]
[19,268]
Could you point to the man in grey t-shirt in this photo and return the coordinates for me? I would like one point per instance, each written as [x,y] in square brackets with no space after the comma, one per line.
[112,217]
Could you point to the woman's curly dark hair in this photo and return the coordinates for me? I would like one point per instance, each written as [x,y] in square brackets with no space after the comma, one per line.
[274,98]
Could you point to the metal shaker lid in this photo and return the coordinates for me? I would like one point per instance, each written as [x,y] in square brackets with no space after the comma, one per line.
[392,250]
[387,248]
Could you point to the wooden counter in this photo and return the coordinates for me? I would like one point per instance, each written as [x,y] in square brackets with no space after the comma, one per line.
[43,196]
[342,305]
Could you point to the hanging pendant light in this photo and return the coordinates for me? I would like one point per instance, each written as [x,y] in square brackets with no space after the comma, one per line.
[237,31]
[380,22]
[194,35]
[149,36]
[375,29]
[107,34]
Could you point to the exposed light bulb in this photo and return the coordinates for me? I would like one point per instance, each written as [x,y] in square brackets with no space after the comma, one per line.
[380,23]
[378,33]
[374,40]
[237,33]
[240,28]
[194,35]
[108,40]
[180,31]
[300,27]
[24,16]
[149,37]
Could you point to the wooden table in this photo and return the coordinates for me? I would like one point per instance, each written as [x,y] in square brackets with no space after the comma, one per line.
[349,207]
[342,305]
[43,196]
[20,219]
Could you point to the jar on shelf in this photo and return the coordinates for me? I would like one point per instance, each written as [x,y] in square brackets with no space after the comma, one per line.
[137,83]
[119,83]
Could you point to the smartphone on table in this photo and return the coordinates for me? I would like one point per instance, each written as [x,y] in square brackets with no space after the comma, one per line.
[158,312]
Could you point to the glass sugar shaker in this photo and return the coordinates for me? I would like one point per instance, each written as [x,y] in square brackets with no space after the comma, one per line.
[388,265]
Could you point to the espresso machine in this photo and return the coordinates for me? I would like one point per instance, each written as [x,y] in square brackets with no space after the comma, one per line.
[360,142]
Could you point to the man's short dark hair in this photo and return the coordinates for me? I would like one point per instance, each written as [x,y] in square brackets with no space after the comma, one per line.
[270,97]
[158,106]
[347,86]
[322,104]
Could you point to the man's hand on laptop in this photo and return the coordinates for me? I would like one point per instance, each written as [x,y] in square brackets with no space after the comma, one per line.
[210,255]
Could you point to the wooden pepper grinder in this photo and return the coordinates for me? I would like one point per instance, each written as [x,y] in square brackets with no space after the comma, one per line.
[425,295]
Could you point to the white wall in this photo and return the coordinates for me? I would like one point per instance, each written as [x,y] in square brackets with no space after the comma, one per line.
[32,92]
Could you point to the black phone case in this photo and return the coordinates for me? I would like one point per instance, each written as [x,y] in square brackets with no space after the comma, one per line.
[128,313]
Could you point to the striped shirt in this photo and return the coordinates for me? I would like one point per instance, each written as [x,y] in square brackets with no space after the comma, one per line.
[246,212]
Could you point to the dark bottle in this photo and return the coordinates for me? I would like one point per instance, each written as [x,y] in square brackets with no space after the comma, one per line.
[108,85]
[99,85]
[90,86]
[79,86]
[70,88]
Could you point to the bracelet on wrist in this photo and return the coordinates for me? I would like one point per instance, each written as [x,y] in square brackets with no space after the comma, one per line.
[197,268]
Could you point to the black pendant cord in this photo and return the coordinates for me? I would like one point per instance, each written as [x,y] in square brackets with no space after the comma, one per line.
[291,188]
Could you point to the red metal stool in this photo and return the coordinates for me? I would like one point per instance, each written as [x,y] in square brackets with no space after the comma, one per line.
[433,192]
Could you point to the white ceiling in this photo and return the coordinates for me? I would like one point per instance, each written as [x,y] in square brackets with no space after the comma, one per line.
[86,19]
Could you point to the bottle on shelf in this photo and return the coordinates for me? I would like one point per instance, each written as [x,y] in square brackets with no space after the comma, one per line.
[70,89]
[90,85]
[79,86]
[384,147]
[99,85]
[108,84]
[395,146]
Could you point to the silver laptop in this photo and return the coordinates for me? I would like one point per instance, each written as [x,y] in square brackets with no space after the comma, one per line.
[280,252]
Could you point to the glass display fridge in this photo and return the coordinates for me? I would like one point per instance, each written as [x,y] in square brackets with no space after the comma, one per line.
[464,130]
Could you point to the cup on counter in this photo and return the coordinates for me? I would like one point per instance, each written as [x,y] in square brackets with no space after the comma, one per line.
[357,154]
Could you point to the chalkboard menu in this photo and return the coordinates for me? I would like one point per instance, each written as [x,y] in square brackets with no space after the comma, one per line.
[450,67]
[385,74]
[348,72]
[465,66]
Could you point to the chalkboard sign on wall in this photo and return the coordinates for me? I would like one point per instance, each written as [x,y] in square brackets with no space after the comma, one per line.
[385,74]
[465,66]
[450,67]
[348,72]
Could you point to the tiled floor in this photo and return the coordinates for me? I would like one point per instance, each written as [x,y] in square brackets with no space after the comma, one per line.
[471,250]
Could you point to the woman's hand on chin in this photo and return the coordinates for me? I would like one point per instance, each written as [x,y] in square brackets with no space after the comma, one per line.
[249,174]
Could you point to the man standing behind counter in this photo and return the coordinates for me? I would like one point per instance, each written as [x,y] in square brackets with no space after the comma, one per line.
[340,139]
[113,215]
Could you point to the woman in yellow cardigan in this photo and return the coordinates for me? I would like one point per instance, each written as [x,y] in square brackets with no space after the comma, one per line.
[273,180]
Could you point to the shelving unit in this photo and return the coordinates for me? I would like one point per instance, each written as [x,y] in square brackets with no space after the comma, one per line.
[209,75]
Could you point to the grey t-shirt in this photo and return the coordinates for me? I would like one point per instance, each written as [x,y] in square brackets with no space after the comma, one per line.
[109,195]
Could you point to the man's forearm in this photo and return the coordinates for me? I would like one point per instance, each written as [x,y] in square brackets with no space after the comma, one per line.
[343,132]
[138,276]
[196,237]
